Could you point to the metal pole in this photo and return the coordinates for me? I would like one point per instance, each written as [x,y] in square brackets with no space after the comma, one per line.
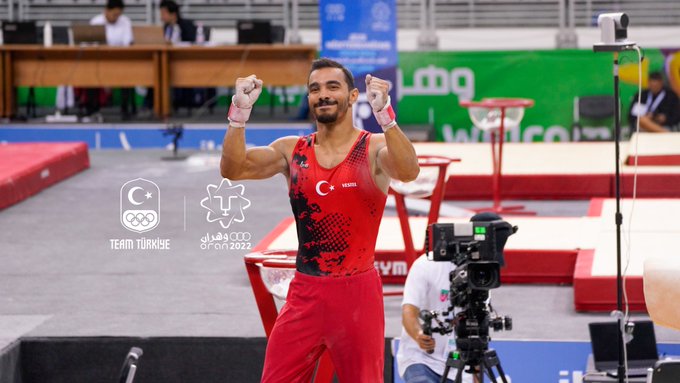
[471,14]
[432,18]
[295,13]
[157,12]
[619,220]
[286,21]
[561,5]
[149,11]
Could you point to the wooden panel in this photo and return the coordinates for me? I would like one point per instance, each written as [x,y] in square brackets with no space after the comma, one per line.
[2,84]
[165,88]
[220,66]
[160,67]
[157,85]
[82,70]
[7,90]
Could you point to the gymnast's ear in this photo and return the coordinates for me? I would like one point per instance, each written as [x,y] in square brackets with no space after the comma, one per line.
[353,96]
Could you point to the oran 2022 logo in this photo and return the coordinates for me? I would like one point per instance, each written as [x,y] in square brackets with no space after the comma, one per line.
[225,203]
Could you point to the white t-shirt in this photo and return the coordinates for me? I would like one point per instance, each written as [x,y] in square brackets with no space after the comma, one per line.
[427,288]
[117,34]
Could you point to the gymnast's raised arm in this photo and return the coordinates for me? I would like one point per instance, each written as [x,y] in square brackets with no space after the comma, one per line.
[254,163]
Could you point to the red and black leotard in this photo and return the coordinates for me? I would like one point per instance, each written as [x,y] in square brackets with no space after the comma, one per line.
[337,211]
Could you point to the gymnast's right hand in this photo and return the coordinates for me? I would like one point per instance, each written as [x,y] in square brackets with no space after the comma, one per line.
[248,89]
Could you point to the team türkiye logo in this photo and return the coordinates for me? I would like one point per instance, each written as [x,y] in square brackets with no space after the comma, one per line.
[140,205]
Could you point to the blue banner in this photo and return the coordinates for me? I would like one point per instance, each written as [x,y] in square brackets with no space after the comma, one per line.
[362,35]
[136,137]
[545,361]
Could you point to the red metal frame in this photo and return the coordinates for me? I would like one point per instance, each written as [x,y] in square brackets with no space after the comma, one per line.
[410,252]
[497,150]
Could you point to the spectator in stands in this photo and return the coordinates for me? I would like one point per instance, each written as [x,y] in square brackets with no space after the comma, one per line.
[659,109]
[118,33]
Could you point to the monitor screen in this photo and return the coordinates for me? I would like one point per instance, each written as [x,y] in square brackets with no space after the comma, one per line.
[603,339]
[254,32]
[22,32]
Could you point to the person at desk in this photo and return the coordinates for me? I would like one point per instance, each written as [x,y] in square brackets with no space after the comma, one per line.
[118,26]
[118,33]
[176,28]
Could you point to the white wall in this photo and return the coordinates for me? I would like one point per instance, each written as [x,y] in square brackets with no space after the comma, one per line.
[518,39]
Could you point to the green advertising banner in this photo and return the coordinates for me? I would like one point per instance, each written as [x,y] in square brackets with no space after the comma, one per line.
[431,84]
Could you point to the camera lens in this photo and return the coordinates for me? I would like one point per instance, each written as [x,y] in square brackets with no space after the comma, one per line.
[484,276]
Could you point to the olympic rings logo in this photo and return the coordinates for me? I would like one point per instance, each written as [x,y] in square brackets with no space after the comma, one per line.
[139,219]
[239,236]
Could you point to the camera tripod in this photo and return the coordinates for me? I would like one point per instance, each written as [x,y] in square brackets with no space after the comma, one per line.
[483,360]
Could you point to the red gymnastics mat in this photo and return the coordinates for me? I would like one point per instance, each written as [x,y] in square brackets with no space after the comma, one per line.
[655,149]
[581,170]
[26,169]
[544,249]
[547,250]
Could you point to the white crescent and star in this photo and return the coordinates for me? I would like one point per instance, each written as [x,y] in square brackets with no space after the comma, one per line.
[318,188]
[131,196]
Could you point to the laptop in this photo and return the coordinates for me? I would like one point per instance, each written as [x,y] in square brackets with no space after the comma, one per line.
[254,32]
[89,34]
[642,352]
[61,35]
[22,32]
[148,35]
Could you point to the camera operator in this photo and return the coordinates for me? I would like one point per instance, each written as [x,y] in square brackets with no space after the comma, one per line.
[421,357]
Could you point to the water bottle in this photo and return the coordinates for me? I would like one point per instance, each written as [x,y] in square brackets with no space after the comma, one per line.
[47,34]
[200,34]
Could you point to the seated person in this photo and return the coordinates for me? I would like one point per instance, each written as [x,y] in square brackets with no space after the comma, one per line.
[422,358]
[659,109]
[180,30]
[118,33]
[172,20]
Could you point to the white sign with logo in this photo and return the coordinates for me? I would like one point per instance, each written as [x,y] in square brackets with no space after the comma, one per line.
[140,212]
[225,205]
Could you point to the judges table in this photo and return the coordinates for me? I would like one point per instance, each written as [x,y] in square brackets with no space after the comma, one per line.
[276,65]
[156,66]
[85,66]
